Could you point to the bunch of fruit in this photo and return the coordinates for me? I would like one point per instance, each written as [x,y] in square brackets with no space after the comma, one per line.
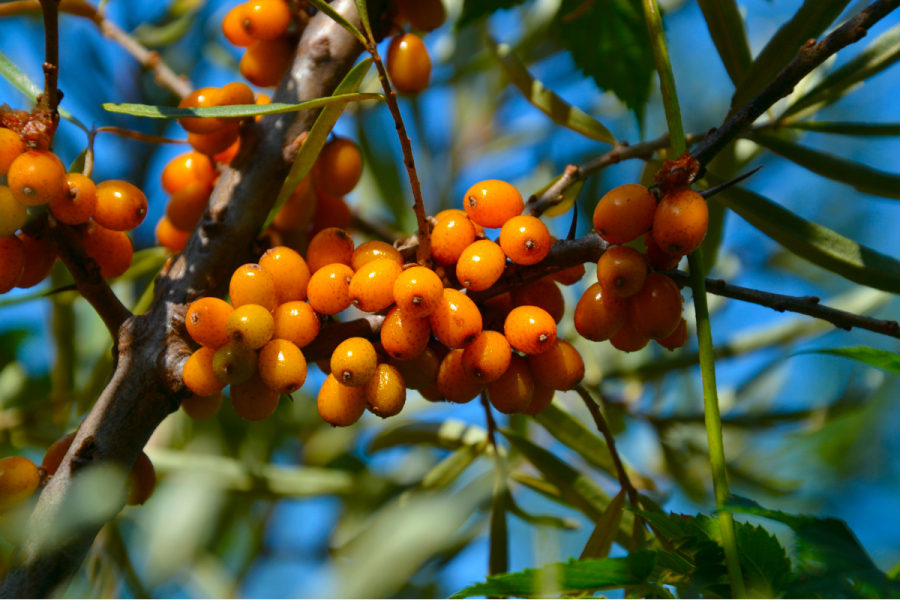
[264,28]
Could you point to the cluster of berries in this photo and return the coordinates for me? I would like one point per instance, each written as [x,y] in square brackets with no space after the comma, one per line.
[408,63]
[218,137]
[264,28]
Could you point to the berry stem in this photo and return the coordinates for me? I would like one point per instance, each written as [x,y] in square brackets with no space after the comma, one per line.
[49,100]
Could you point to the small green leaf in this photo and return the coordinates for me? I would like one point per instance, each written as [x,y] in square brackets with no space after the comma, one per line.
[77,165]
[447,470]
[766,566]
[237,110]
[860,129]
[364,16]
[540,520]
[474,10]
[339,18]
[450,435]
[882,359]
[498,555]
[167,33]
[604,534]
[545,100]
[20,81]
[569,197]
[726,27]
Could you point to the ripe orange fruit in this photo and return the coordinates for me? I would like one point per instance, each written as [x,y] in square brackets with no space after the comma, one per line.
[329,246]
[677,338]
[215,142]
[569,276]
[450,238]
[627,339]
[353,362]
[185,168]
[201,408]
[266,61]
[420,371]
[206,322]
[404,337]
[424,15]
[282,366]
[12,262]
[78,205]
[141,481]
[525,240]
[530,329]
[408,64]
[512,392]
[386,391]
[331,211]
[290,272]
[121,206]
[297,322]
[14,212]
[374,250]
[372,287]
[170,238]
[487,358]
[19,478]
[492,203]
[253,284]
[681,221]
[200,98]
[339,405]
[418,291]
[329,289]
[233,27]
[457,321]
[187,205]
[198,373]
[234,93]
[542,398]
[655,311]
[111,249]
[624,213]
[266,19]
[339,167]
[253,400]
[543,293]
[454,383]
[658,258]
[599,314]
[36,178]
[480,265]
[11,146]
[560,367]
[40,256]
[621,271]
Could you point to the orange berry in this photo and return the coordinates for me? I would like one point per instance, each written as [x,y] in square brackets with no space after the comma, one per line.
[227,155]
[454,383]
[141,481]
[282,366]
[530,329]
[266,61]
[386,391]
[658,258]
[492,203]
[487,358]
[170,238]
[12,262]
[19,478]
[37,178]
[627,339]
[480,265]
[655,311]
[560,367]
[187,205]
[290,272]
[111,249]
[495,310]
[404,337]
[457,321]
[621,271]
[266,19]
[677,338]
[681,221]
[421,371]
[296,322]
[432,393]
[57,452]
[250,326]
[424,15]
[339,167]
[624,213]
[120,205]
[252,284]
[200,98]
[234,365]
[231,94]
[40,256]
[215,142]
[543,293]
[329,289]
[599,314]
[339,405]
[253,400]
[542,398]
[11,146]
[569,276]
[374,250]
[185,168]
[525,240]
[372,287]
[328,247]
[354,361]
[201,408]
[78,205]
[198,373]
[331,211]
[233,27]
[297,212]
[14,212]
[513,391]
[418,291]
[408,64]
[450,238]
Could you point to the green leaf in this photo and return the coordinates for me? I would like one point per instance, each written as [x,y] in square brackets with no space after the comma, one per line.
[816,243]
[237,110]
[539,520]
[168,33]
[726,27]
[545,100]
[766,566]
[882,359]
[862,177]
[862,129]
[385,171]
[364,16]
[474,10]
[498,554]
[447,470]
[77,165]
[450,435]
[609,41]
[20,81]
[569,197]
[809,22]
[571,577]
[883,52]
[604,534]
[9,343]
[339,18]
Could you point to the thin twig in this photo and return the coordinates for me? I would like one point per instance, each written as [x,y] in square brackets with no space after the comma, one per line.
[49,100]
[491,423]
[139,136]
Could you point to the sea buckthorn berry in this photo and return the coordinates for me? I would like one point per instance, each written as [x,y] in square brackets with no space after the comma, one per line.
[480,265]
[457,321]
[250,326]
[621,271]
[599,314]
[372,287]
[169,237]
[296,322]
[282,366]
[231,94]
[421,371]
[681,221]
[354,361]
[214,142]
[290,272]
[37,178]
[252,284]
[111,249]
[187,205]
[188,167]
[543,293]
[329,289]
[386,391]
[432,393]
[339,167]
[525,240]
[627,339]
[233,27]
[374,250]
[141,481]
[227,155]
[530,329]
[487,358]
[457,213]
[266,61]
[658,258]
[404,337]
[12,262]
[266,19]
[78,205]
[624,213]
[198,374]
[297,213]
[677,338]
[512,392]
[13,212]
[57,452]
[121,206]
[234,365]
[450,238]
[418,291]
[329,246]
[454,383]
[655,311]
[19,478]
[200,98]
[492,203]
[408,64]
[331,211]
[569,276]
[11,146]
[253,400]
[542,398]
[40,256]
[424,15]
[560,367]
[495,310]
[339,405]
[200,408]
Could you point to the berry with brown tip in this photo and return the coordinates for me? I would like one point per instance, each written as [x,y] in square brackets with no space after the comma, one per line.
[454,383]
[353,362]
[487,358]
[234,364]
[624,213]
[233,27]
[655,311]
[386,391]
[253,400]
[599,314]
[560,367]
[677,338]
[121,206]
[36,178]
[253,284]
[329,289]
[111,249]
[339,405]
[627,339]
[492,203]
[206,321]
[199,375]
[512,393]
[525,240]
[328,247]
[621,271]
[78,205]
[450,238]
[530,329]
[266,19]
[250,326]
[404,337]
[290,272]
[418,291]
[40,256]
[282,366]
[680,222]
[14,212]
[372,287]
[296,322]
[480,265]
[408,64]
[457,321]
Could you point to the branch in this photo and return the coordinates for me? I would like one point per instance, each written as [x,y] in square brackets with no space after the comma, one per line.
[49,100]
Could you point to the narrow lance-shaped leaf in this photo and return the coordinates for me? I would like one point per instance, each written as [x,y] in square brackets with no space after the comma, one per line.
[882,359]
[339,18]
[838,128]
[450,434]
[20,81]
[604,534]
[568,199]
[498,558]
[726,27]
[236,110]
